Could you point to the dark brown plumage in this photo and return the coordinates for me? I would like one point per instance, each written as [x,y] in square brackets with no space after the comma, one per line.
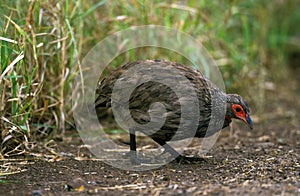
[214,107]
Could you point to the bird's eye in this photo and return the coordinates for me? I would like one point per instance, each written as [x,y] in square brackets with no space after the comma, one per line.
[238,109]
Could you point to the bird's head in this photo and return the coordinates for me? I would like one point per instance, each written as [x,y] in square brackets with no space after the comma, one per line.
[238,108]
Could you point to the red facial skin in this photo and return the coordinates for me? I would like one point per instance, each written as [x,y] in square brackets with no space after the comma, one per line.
[240,113]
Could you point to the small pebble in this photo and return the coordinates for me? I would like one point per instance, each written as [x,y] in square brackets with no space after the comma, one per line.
[36,193]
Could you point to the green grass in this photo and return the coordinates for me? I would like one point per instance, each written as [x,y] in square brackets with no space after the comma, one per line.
[6,181]
[246,38]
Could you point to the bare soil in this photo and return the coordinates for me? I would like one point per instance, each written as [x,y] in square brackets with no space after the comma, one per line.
[264,161]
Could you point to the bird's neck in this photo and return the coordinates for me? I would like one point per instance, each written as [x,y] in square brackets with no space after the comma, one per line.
[229,113]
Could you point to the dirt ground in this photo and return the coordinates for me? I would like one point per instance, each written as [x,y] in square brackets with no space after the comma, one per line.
[264,161]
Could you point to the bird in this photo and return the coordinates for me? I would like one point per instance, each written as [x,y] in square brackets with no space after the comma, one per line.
[208,98]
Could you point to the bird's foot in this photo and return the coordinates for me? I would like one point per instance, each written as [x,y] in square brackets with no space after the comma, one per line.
[183,159]
[135,160]
[138,161]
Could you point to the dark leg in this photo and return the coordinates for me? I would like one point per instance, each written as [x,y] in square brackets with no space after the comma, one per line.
[178,157]
[168,149]
[133,155]
[132,141]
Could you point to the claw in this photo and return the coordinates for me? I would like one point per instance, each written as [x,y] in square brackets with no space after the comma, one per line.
[183,160]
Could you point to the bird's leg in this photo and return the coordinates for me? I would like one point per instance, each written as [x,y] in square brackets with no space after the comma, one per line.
[178,157]
[133,154]
[170,150]
[167,148]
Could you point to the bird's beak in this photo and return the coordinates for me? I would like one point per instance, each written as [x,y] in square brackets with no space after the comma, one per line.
[248,121]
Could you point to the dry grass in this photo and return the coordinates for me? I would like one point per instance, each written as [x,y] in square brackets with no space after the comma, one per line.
[38,61]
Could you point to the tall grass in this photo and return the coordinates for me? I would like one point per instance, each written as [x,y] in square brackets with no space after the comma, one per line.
[43,42]
[33,102]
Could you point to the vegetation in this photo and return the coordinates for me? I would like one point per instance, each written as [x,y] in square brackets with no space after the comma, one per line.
[42,43]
